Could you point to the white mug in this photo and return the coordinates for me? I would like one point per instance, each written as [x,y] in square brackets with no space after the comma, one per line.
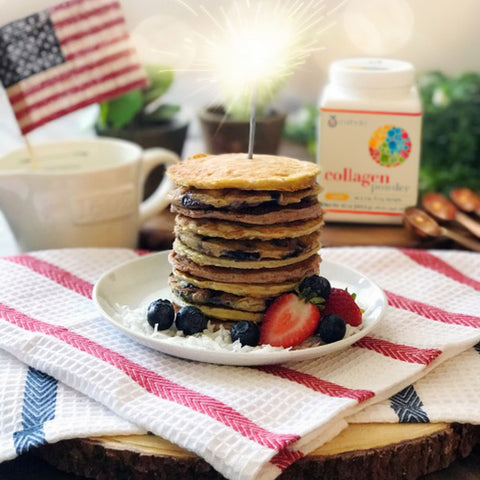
[85,193]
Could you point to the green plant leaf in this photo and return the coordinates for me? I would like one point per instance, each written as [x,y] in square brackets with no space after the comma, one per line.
[160,80]
[450,150]
[122,110]
[127,109]
[163,113]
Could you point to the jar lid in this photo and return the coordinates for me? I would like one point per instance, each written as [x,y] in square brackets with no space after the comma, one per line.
[372,73]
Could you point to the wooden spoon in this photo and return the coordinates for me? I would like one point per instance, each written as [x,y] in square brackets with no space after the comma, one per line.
[443,209]
[466,200]
[425,226]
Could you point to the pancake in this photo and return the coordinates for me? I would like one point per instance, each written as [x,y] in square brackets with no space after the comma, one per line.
[235,199]
[216,298]
[232,230]
[245,289]
[246,231]
[201,259]
[258,216]
[295,272]
[224,314]
[236,170]
[250,249]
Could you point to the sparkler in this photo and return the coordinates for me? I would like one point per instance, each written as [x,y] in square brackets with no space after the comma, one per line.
[257,46]
[253,48]
[251,135]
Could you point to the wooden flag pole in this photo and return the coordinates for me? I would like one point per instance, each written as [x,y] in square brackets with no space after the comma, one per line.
[31,154]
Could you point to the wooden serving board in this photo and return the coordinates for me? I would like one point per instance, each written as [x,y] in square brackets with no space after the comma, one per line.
[361,452]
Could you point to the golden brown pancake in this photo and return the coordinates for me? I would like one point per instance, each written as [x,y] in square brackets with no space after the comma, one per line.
[248,289]
[231,230]
[257,216]
[250,249]
[236,170]
[294,272]
[201,259]
[235,199]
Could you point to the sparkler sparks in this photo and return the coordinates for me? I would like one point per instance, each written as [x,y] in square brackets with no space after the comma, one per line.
[250,51]
[249,45]
[256,47]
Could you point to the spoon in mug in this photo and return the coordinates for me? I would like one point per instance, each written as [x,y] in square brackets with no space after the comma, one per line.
[443,209]
[425,226]
[466,200]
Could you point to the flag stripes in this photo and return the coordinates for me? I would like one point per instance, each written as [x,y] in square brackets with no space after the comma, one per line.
[89,14]
[90,60]
[76,88]
[17,98]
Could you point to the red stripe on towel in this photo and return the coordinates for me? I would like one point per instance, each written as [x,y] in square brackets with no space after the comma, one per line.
[57,274]
[154,383]
[426,259]
[317,384]
[431,312]
[285,458]
[405,353]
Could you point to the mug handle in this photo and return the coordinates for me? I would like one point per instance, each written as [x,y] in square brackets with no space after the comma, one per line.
[158,200]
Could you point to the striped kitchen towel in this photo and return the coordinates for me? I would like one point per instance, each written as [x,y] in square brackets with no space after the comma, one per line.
[246,422]
[449,393]
[36,408]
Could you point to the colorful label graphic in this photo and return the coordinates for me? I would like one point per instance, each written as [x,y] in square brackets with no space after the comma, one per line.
[390,146]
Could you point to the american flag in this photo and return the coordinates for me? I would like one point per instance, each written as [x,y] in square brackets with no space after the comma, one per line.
[67,57]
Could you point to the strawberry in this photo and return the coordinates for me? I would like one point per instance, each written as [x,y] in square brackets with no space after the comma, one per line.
[288,321]
[342,303]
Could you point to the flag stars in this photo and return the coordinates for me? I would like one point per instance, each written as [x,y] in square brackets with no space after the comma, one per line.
[28,46]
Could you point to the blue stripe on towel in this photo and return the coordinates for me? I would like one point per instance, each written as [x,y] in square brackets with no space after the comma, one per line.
[39,398]
[408,406]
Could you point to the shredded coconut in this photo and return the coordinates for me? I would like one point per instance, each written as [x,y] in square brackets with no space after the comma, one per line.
[215,338]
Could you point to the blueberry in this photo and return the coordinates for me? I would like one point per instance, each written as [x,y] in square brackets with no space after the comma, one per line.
[190,320]
[161,313]
[331,328]
[241,255]
[315,286]
[189,201]
[248,333]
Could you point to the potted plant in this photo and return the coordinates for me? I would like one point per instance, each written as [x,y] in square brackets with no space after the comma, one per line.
[142,117]
[226,127]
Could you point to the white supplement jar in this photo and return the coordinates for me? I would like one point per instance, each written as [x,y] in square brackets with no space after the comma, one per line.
[368,145]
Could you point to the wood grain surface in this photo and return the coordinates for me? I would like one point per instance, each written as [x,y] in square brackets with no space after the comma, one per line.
[361,452]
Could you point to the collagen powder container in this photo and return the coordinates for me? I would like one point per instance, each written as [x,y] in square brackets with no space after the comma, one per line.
[368,146]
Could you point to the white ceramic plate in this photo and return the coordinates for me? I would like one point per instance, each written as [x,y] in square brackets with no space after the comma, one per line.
[138,282]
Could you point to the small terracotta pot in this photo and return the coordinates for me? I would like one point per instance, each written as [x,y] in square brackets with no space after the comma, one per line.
[224,135]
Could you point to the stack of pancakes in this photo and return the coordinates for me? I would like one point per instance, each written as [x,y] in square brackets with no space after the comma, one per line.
[246,231]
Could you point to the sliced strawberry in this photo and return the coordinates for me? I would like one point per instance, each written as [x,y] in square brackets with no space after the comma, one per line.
[288,321]
[343,304]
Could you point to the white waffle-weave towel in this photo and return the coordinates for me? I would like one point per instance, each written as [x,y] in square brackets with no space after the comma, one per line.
[246,422]
[449,393]
[35,408]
